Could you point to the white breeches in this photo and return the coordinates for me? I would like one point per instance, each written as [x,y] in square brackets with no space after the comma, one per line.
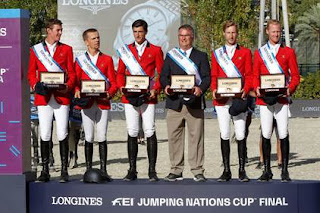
[61,115]
[147,112]
[97,116]
[280,113]
[224,119]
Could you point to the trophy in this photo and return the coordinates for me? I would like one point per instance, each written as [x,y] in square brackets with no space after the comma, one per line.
[137,84]
[54,80]
[182,84]
[93,88]
[274,83]
[229,87]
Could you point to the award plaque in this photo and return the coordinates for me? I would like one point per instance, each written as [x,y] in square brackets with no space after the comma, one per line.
[229,87]
[53,79]
[93,87]
[274,83]
[182,83]
[136,84]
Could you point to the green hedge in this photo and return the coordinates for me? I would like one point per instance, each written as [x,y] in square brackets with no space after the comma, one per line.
[309,87]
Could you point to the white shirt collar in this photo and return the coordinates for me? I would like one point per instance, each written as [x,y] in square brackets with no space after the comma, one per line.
[51,47]
[231,50]
[94,58]
[274,48]
[187,52]
[141,47]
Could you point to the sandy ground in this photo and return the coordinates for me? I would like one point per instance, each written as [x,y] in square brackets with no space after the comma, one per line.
[304,157]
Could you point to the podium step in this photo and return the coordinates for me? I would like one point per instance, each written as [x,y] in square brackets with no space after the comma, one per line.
[182,196]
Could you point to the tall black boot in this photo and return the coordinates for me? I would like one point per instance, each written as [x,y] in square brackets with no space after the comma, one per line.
[285,147]
[103,160]
[76,138]
[225,151]
[242,160]
[132,154]
[44,148]
[266,152]
[152,148]
[51,158]
[64,151]
[88,152]
[73,155]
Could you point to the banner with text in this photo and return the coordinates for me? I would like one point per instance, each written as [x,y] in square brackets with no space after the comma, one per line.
[113,19]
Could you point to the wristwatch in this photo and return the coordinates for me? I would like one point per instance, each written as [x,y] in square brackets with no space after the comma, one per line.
[159,14]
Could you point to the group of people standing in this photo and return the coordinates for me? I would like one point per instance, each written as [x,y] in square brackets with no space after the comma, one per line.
[143,58]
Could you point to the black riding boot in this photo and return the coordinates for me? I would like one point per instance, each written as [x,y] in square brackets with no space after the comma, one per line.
[152,148]
[64,151]
[103,160]
[266,152]
[285,147]
[51,157]
[44,148]
[242,161]
[225,150]
[132,154]
[76,136]
[88,152]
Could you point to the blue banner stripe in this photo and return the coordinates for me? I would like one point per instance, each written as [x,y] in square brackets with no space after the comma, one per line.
[3,165]
[15,149]
[3,132]
[14,13]
[1,107]
[13,152]
[14,122]
[3,136]
[3,140]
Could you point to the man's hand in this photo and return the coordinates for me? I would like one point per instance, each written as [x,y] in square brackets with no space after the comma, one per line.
[77,94]
[214,94]
[166,90]
[197,91]
[153,93]
[258,92]
[121,90]
[108,96]
[288,92]
[244,94]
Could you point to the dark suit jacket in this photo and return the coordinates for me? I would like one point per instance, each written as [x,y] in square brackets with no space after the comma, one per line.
[171,68]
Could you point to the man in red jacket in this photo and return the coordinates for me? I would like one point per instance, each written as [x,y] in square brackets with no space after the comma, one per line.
[94,65]
[52,56]
[231,61]
[140,58]
[275,58]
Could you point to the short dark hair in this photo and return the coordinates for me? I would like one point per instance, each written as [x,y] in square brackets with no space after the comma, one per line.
[140,23]
[51,22]
[187,27]
[85,33]
[229,23]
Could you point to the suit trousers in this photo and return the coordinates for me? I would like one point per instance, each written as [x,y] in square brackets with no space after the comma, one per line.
[176,125]
[61,115]
[280,113]
[91,116]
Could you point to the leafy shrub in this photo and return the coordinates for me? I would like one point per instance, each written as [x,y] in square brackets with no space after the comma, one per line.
[309,87]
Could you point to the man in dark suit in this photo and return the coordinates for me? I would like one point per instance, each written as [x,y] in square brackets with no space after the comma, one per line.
[184,109]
